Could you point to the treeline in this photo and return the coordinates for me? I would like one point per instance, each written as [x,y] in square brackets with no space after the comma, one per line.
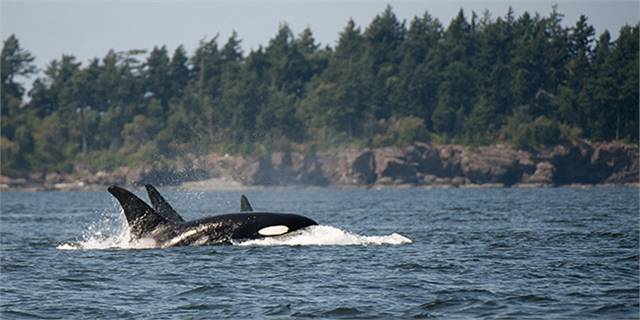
[523,80]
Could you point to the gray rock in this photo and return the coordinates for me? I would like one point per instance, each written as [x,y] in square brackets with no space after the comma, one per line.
[363,169]
[543,175]
[391,163]
[491,164]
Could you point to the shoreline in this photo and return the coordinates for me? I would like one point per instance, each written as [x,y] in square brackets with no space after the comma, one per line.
[225,185]
[420,165]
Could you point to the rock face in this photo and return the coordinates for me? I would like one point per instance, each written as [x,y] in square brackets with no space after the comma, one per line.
[283,169]
[392,165]
[363,168]
[593,163]
[348,166]
[495,164]
[454,165]
[620,161]
[542,176]
[419,164]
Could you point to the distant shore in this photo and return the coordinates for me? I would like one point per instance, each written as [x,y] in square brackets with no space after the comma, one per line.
[221,185]
[419,165]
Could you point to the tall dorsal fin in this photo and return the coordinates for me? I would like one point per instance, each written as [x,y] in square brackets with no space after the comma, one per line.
[141,217]
[161,206]
[244,204]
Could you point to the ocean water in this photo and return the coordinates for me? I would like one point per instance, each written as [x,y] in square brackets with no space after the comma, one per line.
[557,253]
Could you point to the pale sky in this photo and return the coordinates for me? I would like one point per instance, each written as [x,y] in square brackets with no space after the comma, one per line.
[89,29]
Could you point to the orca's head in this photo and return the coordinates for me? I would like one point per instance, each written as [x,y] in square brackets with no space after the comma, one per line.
[296,222]
[266,224]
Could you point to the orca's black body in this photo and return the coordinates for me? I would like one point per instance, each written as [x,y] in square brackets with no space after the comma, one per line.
[163,224]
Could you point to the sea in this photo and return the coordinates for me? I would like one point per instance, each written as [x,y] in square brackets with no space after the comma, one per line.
[554,253]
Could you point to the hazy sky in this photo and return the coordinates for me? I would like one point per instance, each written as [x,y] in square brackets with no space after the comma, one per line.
[89,29]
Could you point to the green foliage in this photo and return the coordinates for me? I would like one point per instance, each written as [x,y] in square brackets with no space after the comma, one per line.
[15,62]
[527,134]
[51,150]
[401,131]
[9,156]
[529,81]
[103,160]
[481,125]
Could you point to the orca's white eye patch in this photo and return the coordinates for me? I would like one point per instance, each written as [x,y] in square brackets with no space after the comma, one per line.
[273,230]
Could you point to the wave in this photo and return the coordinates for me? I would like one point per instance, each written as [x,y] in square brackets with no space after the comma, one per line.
[325,235]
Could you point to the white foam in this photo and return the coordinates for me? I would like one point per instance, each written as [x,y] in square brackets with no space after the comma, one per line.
[108,233]
[325,235]
[108,243]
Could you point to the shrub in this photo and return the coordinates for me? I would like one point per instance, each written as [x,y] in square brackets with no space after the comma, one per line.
[402,131]
[541,132]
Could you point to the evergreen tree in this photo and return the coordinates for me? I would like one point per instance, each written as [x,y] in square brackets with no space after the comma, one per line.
[625,56]
[572,100]
[16,62]
[415,95]
[206,68]
[231,104]
[340,99]
[384,38]
[156,77]
[288,68]
[179,73]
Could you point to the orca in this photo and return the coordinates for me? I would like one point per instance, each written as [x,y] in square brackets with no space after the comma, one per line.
[163,224]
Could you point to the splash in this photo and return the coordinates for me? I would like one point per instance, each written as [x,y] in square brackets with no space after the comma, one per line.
[325,235]
[112,232]
[109,232]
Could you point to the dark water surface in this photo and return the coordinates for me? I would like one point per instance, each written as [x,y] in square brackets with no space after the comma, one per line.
[496,253]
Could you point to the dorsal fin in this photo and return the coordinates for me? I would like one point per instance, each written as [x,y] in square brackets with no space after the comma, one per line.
[141,217]
[244,204]
[161,206]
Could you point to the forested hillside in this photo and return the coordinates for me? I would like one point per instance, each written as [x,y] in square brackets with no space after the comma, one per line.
[527,80]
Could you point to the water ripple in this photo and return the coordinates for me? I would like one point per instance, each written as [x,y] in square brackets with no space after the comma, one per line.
[491,254]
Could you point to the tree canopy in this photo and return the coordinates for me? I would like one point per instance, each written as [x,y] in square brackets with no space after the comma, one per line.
[527,80]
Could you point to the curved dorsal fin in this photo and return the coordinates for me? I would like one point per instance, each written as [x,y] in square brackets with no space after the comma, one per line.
[161,205]
[141,218]
[244,204]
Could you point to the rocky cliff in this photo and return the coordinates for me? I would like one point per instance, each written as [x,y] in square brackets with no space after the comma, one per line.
[420,164]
